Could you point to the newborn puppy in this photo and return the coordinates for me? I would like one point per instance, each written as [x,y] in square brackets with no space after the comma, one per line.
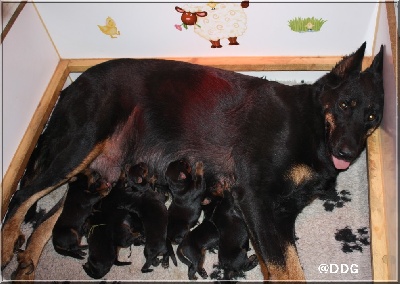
[84,191]
[187,194]
[150,206]
[192,250]
[112,228]
[232,249]
[105,238]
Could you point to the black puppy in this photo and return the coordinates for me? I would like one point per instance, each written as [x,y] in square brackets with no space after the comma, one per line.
[150,206]
[233,240]
[84,191]
[111,228]
[192,250]
[187,194]
[105,238]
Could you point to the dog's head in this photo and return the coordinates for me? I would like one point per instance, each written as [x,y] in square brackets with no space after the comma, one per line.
[352,103]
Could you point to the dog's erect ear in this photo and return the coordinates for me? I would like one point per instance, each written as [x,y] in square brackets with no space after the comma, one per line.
[350,64]
[377,63]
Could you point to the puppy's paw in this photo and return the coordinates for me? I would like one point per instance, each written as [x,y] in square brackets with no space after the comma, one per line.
[165,263]
[203,273]
[252,262]
[122,263]
[146,270]
[156,262]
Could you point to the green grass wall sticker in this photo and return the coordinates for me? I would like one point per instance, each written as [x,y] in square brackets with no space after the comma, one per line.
[302,25]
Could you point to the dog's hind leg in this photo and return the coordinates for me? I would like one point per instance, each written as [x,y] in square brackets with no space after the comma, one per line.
[29,258]
[11,233]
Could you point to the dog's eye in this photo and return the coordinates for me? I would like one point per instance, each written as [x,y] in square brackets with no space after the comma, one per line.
[343,105]
[371,117]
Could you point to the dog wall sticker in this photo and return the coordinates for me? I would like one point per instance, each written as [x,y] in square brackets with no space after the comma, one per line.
[215,21]
[278,146]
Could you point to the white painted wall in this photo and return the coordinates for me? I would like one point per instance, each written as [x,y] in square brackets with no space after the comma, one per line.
[147,30]
[29,60]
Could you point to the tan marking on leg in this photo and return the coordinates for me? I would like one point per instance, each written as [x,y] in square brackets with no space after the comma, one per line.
[299,174]
[264,268]
[11,229]
[29,258]
[292,269]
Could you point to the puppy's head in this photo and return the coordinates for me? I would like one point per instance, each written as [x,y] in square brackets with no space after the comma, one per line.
[98,185]
[137,174]
[178,172]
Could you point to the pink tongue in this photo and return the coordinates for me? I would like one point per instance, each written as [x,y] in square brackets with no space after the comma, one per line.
[340,164]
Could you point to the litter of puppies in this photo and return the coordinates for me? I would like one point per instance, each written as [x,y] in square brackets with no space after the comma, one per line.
[134,213]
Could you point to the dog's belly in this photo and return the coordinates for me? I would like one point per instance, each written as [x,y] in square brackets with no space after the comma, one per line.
[115,150]
[126,146]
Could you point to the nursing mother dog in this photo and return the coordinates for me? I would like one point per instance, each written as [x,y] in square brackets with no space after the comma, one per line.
[278,146]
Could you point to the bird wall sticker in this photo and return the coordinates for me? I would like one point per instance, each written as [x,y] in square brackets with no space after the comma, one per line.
[215,21]
[110,28]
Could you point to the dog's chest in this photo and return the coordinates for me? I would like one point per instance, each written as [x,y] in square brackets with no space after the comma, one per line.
[299,174]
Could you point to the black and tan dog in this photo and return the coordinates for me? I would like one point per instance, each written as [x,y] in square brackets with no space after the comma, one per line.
[85,191]
[285,145]
[187,194]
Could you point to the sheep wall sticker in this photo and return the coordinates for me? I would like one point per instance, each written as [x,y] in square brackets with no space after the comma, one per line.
[110,28]
[215,21]
[306,24]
